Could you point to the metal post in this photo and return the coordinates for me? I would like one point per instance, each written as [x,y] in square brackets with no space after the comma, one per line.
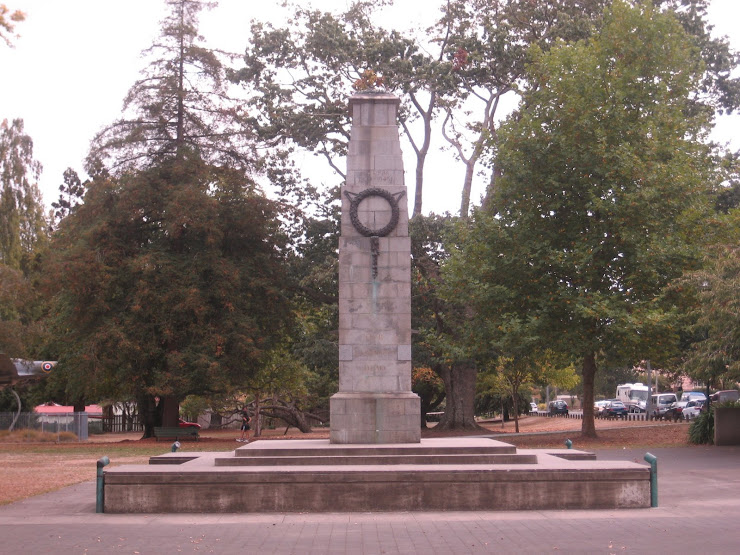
[653,460]
[648,401]
[103,461]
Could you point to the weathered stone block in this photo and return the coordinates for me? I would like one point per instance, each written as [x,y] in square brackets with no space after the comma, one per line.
[375,178]
[345,352]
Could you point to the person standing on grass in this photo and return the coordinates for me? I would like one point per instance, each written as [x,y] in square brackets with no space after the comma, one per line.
[245,427]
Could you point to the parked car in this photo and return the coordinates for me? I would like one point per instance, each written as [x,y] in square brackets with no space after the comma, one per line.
[599,407]
[693,408]
[557,407]
[186,424]
[693,395]
[728,395]
[674,412]
[615,409]
[661,402]
[533,407]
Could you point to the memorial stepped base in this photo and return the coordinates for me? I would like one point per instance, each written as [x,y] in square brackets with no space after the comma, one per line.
[319,453]
[456,474]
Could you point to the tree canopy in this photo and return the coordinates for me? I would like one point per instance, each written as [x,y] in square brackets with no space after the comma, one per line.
[179,107]
[604,188]
[166,283]
[8,19]
[714,358]
[22,221]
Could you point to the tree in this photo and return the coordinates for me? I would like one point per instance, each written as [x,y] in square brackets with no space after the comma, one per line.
[488,47]
[14,291]
[22,222]
[601,200]
[281,391]
[23,234]
[301,73]
[8,20]
[715,357]
[71,193]
[430,389]
[441,342]
[299,77]
[166,283]
[179,107]
[718,87]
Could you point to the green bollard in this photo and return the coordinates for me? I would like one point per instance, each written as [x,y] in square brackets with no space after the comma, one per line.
[569,444]
[103,461]
[653,460]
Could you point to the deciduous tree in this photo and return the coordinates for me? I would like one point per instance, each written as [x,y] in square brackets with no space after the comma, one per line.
[715,357]
[605,178]
[22,222]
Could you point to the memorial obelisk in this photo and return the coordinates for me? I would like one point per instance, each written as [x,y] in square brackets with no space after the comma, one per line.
[375,403]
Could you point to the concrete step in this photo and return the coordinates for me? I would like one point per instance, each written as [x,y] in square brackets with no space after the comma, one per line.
[416,459]
[319,448]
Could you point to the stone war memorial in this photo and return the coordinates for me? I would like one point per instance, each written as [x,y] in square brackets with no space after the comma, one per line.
[375,459]
[375,403]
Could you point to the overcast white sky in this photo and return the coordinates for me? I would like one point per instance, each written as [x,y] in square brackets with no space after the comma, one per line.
[76,59]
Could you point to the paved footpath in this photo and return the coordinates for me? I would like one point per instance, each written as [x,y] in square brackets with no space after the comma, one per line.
[698,512]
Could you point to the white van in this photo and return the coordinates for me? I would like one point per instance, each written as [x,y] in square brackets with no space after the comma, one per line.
[693,396]
[633,395]
[661,402]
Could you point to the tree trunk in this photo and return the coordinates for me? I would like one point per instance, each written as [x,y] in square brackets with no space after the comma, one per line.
[170,411]
[515,400]
[150,415]
[459,382]
[588,426]
[79,405]
[421,154]
[216,420]
[467,187]
[256,420]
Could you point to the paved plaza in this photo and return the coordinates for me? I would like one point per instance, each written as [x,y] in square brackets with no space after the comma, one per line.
[698,512]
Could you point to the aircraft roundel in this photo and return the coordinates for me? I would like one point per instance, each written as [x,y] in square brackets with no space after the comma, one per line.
[47,366]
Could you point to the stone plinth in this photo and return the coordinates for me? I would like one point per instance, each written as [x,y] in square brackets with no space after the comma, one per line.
[375,403]
[453,474]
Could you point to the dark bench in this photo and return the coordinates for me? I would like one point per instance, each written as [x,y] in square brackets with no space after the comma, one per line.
[176,433]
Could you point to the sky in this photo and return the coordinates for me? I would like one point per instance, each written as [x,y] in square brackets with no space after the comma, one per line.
[75,60]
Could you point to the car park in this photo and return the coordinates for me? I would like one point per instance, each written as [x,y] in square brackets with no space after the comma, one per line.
[674,412]
[615,409]
[557,407]
[693,409]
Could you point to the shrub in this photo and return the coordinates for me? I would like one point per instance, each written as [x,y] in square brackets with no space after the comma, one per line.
[701,430]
